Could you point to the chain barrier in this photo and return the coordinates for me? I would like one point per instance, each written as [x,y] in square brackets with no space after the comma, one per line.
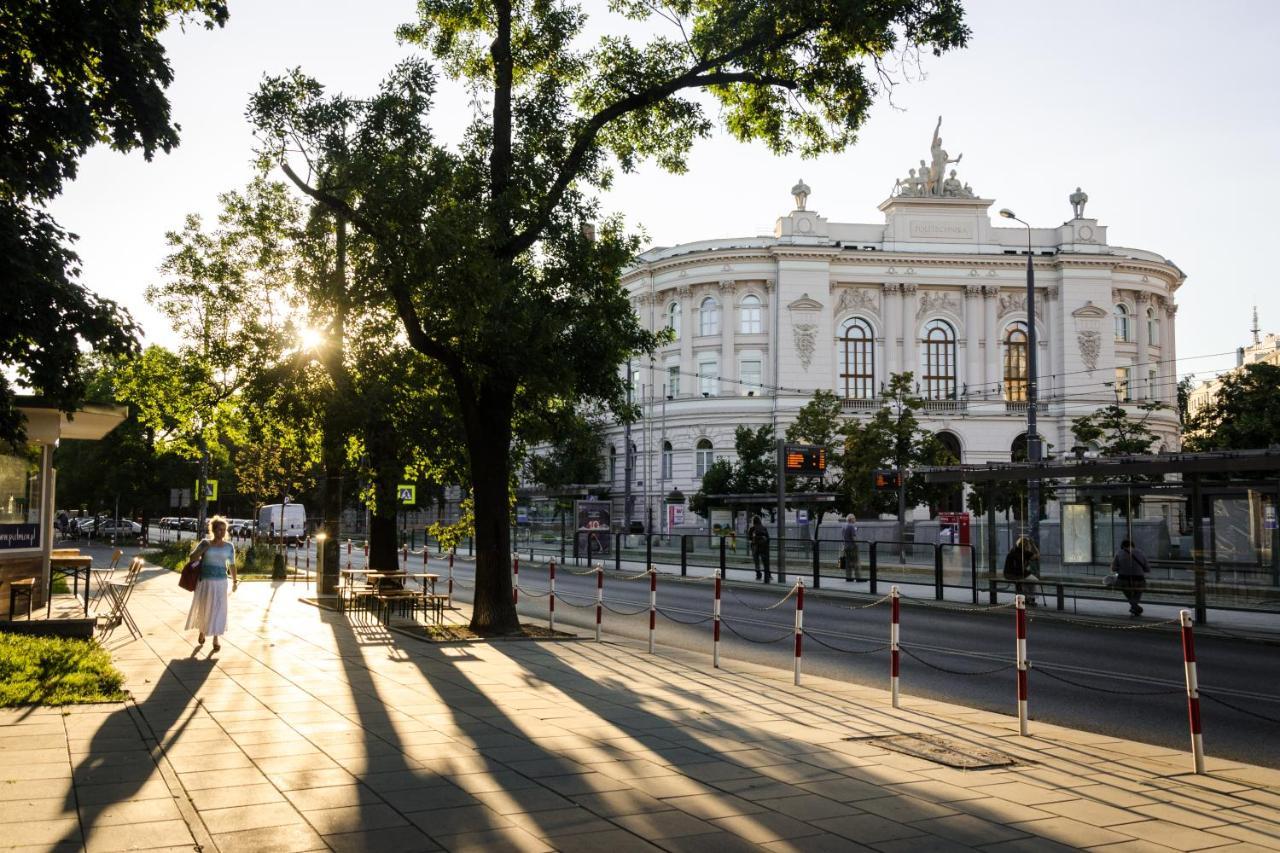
[1237,708]
[906,651]
[460,582]
[875,603]
[701,621]
[632,577]
[589,605]
[526,591]
[957,608]
[1163,692]
[1223,632]
[773,606]
[788,635]
[612,609]
[821,642]
[580,574]
[1107,625]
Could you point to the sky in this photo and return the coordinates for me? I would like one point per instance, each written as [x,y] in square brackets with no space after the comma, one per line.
[1166,113]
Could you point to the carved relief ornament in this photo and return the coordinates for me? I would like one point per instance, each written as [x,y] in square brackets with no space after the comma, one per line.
[859,299]
[804,327]
[1011,302]
[937,301]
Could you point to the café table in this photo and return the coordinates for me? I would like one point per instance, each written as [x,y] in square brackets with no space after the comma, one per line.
[73,566]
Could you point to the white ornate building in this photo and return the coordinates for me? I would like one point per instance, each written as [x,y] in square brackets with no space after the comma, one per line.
[936,288]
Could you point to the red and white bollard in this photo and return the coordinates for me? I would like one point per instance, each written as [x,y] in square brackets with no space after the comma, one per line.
[799,625]
[1020,621]
[366,550]
[515,579]
[348,548]
[715,625]
[551,594]
[425,549]
[599,599]
[1193,689]
[449,600]
[894,651]
[653,606]
[404,556]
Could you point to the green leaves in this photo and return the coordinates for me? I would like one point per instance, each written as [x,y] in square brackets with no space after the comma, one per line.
[1244,413]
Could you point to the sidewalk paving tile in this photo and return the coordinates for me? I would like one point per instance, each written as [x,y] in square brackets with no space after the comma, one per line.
[291,838]
[905,808]
[345,819]
[867,828]
[1070,832]
[658,825]
[137,836]
[238,795]
[765,826]
[501,840]
[967,829]
[398,839]
[255,816]
[1172,835]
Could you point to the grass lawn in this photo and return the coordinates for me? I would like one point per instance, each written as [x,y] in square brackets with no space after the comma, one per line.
[56,671]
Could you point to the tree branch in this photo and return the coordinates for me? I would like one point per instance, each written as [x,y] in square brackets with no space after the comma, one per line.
[329,200]
[418,337]
[698,76]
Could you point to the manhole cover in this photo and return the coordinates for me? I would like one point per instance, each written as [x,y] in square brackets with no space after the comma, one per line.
[941,750]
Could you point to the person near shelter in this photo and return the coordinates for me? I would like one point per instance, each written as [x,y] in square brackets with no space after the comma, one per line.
[1131,568]
[759,538]
[848,538]
[1019,567]
[216,558]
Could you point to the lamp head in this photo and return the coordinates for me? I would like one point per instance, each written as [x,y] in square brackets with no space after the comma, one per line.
[1007,213]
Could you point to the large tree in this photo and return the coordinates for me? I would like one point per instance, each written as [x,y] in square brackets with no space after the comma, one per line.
[72,74]
[487,249]
[1244,413]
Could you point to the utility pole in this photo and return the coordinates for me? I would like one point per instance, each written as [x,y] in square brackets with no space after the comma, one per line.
[782,508]
[627,460]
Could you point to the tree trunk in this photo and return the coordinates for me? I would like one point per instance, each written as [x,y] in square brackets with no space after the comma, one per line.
[380,443]
[489,445]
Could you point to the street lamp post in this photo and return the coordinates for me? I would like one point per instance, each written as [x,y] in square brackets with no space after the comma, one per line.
[1033,439]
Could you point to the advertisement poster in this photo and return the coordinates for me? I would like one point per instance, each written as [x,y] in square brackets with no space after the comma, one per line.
[594,533]
[19,536]
[675,516]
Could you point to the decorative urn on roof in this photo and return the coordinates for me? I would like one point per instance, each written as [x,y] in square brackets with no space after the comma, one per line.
[801,194]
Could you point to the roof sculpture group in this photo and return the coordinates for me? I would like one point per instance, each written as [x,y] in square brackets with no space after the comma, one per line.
[928,181]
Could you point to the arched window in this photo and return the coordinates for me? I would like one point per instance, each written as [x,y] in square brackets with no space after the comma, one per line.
[857,359]
[703,456]
[673,319]
[1018,450]
[1153,327]
[613,463]
[668,460]
[1015,362]
[951,497]
[951,443]
[1122,323]
[751,320]
[939,360]
[709,317]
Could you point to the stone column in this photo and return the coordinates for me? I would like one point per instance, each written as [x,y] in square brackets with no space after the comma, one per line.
[1170,352]
[910,346]
[1055,331]
[767,373]
[687,367]
[890,325]
[992,372]
[973,333]
[728,328]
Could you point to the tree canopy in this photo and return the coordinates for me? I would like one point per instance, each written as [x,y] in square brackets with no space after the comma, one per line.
[82,73]
[1243,414]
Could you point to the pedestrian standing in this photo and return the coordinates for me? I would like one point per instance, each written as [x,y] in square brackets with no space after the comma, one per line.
[849,539]
[1131,568]
[216,558]
[1019,567]
[759,538]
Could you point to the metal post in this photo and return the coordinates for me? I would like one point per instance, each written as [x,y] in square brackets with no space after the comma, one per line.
[1197,549]
[1020,623]
[449,600]
[551,595]
[871,567]
[799,626]
[515,579]
[684,554]
[722,557]
[653,605]
[599,599]
[782,511]
[937,572]
[973,571]
[648,546]
[617,552]
[817,579]
[1193,690]
[893,643]
[715,625]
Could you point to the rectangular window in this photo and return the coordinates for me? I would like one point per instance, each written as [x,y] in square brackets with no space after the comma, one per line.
[19,502]
[1153,387]
[668,460]
[673,381]
[749,372]
[1124,393]
[708,378]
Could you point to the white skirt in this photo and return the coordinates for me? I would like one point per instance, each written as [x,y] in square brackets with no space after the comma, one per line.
[209,607]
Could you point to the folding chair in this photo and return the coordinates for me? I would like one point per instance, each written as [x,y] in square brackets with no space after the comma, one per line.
[103,577]
[119,594]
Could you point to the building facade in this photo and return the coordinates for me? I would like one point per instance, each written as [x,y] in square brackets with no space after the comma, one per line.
[935,288]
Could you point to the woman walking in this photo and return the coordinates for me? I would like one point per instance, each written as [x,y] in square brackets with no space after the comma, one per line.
[1019,567]
[216,558]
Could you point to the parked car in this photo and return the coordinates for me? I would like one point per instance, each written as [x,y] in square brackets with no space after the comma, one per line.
[189,524]
[123,527]
[289,523]
[169,523]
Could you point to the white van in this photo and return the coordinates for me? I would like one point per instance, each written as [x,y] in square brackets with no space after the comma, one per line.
[292,525]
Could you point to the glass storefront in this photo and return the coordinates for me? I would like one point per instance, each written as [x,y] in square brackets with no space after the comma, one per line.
[20,501]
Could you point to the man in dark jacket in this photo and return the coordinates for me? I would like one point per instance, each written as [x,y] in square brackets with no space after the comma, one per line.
[759,538]
[1131,567]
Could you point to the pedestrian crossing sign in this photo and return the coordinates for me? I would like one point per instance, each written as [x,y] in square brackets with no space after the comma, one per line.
[408,495]
[210,489]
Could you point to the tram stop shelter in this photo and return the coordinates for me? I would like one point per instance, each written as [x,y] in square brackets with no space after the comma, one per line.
[28,489]
[1207,522]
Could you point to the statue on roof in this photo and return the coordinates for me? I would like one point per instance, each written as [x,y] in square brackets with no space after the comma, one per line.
[931,180]
[940,161]
[1078,200]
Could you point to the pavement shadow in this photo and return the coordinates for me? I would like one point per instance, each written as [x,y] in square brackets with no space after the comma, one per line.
[121,757]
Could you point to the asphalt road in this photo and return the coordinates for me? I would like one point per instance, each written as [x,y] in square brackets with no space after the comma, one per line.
[1091,674]
[1112,677]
